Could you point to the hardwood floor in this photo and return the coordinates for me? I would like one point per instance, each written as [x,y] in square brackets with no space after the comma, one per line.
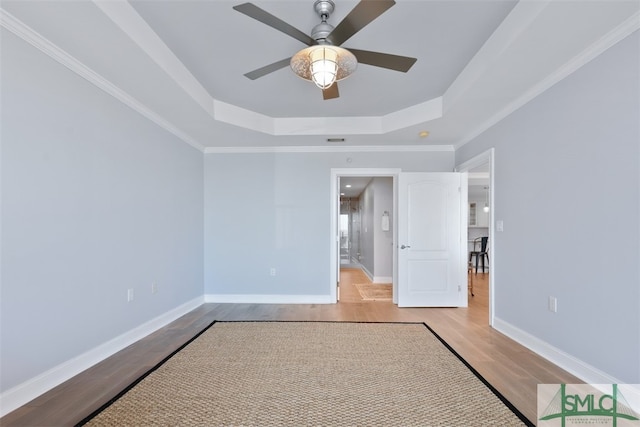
[512,369]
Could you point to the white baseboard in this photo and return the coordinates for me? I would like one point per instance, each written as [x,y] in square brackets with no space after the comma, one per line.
[267,299]
[571,364]
[34,387]
[365,271]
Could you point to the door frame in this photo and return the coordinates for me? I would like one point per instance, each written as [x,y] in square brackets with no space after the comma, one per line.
[336,173]
[478,160]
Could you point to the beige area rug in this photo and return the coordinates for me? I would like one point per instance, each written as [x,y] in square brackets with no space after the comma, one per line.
[311,374]
[375,292]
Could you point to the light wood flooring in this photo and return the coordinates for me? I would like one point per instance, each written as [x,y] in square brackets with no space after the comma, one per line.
[512,369]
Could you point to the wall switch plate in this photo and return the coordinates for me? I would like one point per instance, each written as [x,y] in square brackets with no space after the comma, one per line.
[553,304]
[154,288]
[499,225]
[129,295]
[272,272]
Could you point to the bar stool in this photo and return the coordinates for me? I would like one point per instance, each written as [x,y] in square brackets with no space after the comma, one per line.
[480,253]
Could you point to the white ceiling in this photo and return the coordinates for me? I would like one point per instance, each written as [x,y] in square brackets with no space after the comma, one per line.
[181,63]
[353,186]
[454,30]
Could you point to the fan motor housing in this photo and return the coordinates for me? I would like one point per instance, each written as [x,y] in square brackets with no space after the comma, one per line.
[321,31]
[324,8]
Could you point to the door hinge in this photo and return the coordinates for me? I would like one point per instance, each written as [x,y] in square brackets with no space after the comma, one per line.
[459,288]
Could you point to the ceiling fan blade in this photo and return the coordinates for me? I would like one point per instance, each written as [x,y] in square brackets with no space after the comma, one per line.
[361,15]
[263,71]
[331,92]
[384,60]
[265,17]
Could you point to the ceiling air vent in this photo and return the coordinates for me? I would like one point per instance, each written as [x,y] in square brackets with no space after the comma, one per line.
[335,139]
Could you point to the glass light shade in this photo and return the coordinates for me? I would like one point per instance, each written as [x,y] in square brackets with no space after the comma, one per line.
[323,64]
[486,208]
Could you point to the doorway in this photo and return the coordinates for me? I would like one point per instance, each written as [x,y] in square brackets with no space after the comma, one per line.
[433,268]
[481,196]
[362,216]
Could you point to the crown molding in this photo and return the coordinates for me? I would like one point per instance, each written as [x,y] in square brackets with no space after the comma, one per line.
[20,29]
[626,28]
[357,125]
[327,149]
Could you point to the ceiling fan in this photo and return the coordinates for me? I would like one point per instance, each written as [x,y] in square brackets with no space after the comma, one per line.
[324,62]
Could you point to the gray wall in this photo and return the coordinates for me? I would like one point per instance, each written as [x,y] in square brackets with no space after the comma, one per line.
[268,210]
[377,251]
[383,254]
[567,183]
[95,200]
[367,201]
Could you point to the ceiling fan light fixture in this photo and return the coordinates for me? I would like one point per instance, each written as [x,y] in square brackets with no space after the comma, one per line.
[324,64]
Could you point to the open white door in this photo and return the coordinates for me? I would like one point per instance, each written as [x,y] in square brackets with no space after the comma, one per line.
[431,269]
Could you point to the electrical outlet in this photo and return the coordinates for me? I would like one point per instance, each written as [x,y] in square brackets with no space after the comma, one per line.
[553,304]
[272,272]
[129,295]
[154,288]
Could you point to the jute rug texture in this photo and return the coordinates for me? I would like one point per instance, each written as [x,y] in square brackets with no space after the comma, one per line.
[375,292]
[310,374]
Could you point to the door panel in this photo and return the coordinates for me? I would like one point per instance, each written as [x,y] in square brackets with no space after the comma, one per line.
[427,276]
[427,235]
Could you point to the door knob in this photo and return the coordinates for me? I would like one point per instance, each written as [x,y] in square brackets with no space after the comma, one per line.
[403,247]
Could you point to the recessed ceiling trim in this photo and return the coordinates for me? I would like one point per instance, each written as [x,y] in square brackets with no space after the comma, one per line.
[26,33]
[128,20]
[414,115]
[241,117]
[328,125]
[326,149]
[426,111]
[234,115]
